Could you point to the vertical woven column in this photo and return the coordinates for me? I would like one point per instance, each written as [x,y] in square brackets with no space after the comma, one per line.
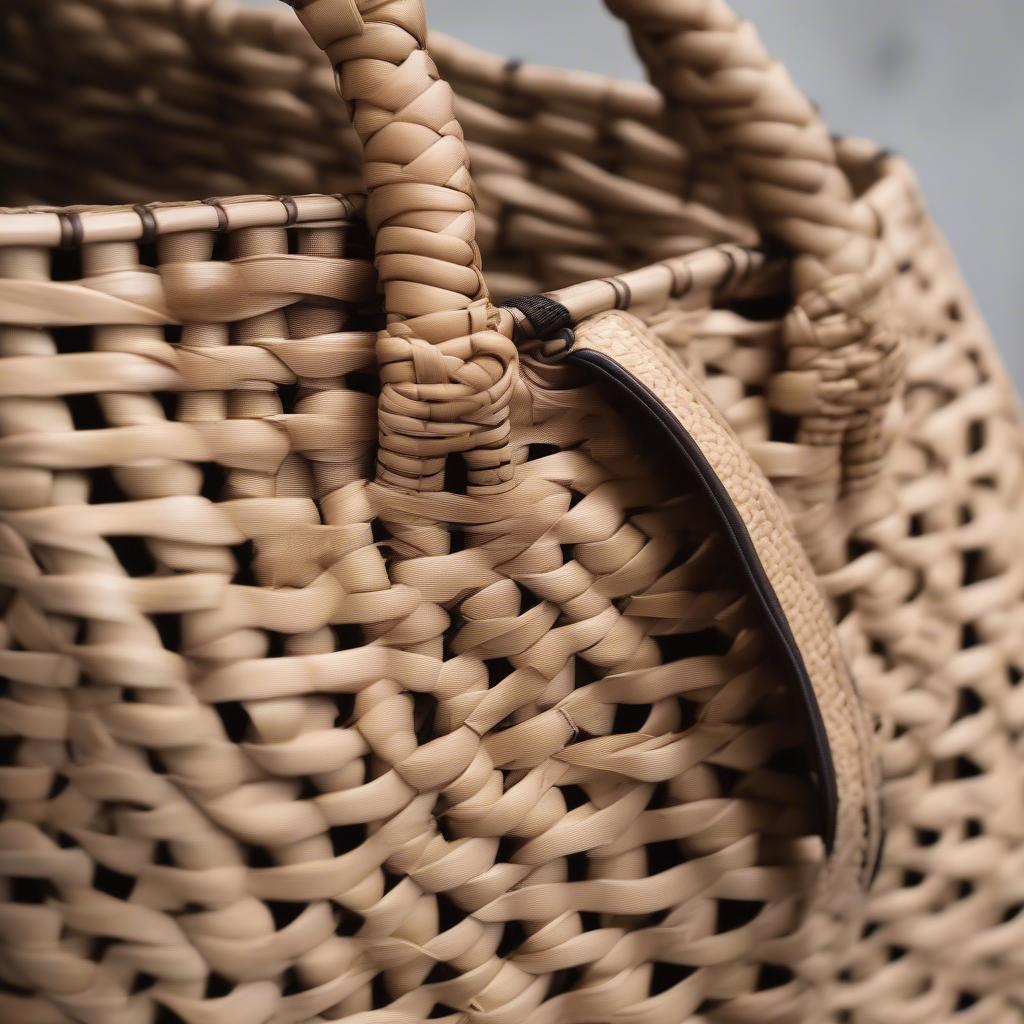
[446,373]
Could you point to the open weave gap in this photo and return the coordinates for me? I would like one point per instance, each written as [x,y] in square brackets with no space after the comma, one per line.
[930,602]
[299,808]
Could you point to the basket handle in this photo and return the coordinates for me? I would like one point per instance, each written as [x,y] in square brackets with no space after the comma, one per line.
[447,370]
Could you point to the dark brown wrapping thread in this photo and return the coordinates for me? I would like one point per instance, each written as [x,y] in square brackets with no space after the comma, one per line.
[730,273]
[545,315]
[291,209]
[70,230]
[222,216]
[149,225]
[623,294]
[509,72]
[680,288]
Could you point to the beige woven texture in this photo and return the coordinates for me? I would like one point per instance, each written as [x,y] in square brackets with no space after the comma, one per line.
[363,663]
[626,340]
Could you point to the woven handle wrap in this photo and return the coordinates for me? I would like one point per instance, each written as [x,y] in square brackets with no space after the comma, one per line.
[447,372]
[844,362]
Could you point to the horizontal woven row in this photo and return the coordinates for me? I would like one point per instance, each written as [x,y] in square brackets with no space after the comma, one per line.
[283,754]
[282,745]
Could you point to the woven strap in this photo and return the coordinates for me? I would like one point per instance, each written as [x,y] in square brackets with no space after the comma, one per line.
[844,361]
[447,371]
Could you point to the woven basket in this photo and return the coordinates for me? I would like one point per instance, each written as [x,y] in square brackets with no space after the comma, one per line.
[383,641]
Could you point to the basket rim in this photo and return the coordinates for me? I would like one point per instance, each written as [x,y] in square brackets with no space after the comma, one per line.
[54,226]
[71,226]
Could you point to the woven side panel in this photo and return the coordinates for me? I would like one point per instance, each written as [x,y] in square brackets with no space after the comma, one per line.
[935,595]
[270,757]
[159,525]
[930,599]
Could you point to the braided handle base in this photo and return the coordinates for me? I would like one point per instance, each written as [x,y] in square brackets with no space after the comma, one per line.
[844,361]
[446,371]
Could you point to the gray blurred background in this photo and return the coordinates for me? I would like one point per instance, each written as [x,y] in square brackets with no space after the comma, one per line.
[939,81]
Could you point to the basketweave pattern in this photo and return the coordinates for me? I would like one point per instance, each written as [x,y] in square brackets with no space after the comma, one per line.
[934,594]
[930,600]
[240,779]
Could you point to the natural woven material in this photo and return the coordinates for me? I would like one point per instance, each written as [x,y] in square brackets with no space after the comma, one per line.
[368,657]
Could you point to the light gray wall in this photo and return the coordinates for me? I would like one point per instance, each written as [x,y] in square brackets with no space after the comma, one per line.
[940,81]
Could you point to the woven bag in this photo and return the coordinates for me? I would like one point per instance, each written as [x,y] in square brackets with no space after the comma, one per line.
[383,641]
